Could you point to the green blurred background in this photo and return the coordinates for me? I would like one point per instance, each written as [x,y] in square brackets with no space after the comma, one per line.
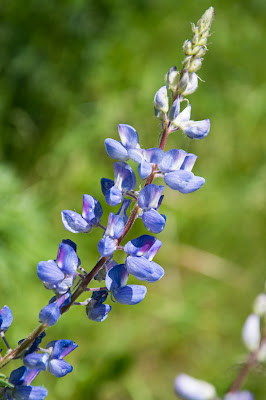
[71,71]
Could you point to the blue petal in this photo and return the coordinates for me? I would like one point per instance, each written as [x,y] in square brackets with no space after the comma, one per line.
[67,259]
[161,101]
[172,160]
[144,245]
[153,221]
[153,155]
[50,314]
[136,155]
[74,222]
[30,393]
[129,136]
[59,368]
[189,388]
[61,348]
[115,226]
[242,395]
[98,297]
[113,196]
[183,181]
[125,178]
[115,150]
[106,184]
[92,210]
[99,313]
[196,129]
[48,272]
[23,375]
[144,169]
[63,286]
[123,210]
[175,109]
[116,277]
[157,274]
[6,318]
[189,162]
[36,360]
[106,246]
[130,294]
[149,196]
[140,267]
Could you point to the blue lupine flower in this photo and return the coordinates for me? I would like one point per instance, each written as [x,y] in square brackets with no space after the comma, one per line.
[146,159]
[116,279]
[124,180]
[129,140]
[60,349]
[242,395]
[6,318]
[91,216]
[189,388]
[114,230]
[36,361]
[149,201]
[176,167]
[59,275]
[21,379]
[51,313]
[181,120]
[144,245]
[123,210]
[161,102]
[96,310]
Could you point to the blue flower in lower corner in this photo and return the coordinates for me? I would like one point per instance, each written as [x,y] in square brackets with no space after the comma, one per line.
[21,378]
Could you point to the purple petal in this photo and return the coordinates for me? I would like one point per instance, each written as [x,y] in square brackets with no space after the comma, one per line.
[6,318]
[48,272]
[136,155]
[144,169]
[74,222]
[129,136]
[183,181]
[67,259]
[125,178]
[153,155]
[106,246]
[50,314]
[123,210]
[115,150]
[113,196]
[98,297]
[130,294]
[144,245]
[175,109]
[196,129]
[149,196]
[243,395]
[189,388]
[30,393]
[189,162]
[172,160]
[92,210]
[106,184]
[98,314]
[115,226]
[23,375]
[36,361]
[140,267]
[61,348]
[59,368]
[161,101]
[157,274]
[116,277]
[153,221]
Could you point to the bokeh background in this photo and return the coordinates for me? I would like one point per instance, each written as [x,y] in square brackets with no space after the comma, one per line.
[71,71]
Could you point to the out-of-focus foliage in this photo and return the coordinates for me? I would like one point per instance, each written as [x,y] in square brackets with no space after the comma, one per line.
[72,70]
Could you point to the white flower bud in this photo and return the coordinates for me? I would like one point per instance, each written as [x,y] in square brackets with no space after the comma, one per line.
[259,306]
[251,332]
[161,101]
[172,78]
[189,388]
[192,84]
[187,47]
[195,65]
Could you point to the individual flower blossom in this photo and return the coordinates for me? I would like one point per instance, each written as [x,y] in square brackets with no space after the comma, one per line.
[242,395]
[149,200]
[6,318]
[161,102]
[146,160]
[21,378]
[176,167]
[116,282]
[59,349]
[188,83]
[189,388]
[95,309]
[59,275]
[129,140]
[181,120]
[51,313]
[114,230]
[124,180]
[139,261]
[251,332]
[91,216]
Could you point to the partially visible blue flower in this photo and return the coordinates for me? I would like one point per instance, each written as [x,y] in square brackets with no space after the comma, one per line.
[161,102]
[21,378]
[181,120]
[242,395]
[176,167]
[59,275]
[123,210]
[143,269]
[51,313]
[36,361]
[114,230]
[116,279]
[91,216]
[58,350]
[6,318]
[129,140]
[189,388]
[144,245]
[124,180]
[96,310]
[149,200]
[146,159]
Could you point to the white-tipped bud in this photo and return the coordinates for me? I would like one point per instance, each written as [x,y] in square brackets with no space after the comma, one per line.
[251,332]
[195,65]
[192,84]
[161,101]
[187,47]
[202,41]
[201,52]
[259,305]
[204,23]
[189,388]
[172,78]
